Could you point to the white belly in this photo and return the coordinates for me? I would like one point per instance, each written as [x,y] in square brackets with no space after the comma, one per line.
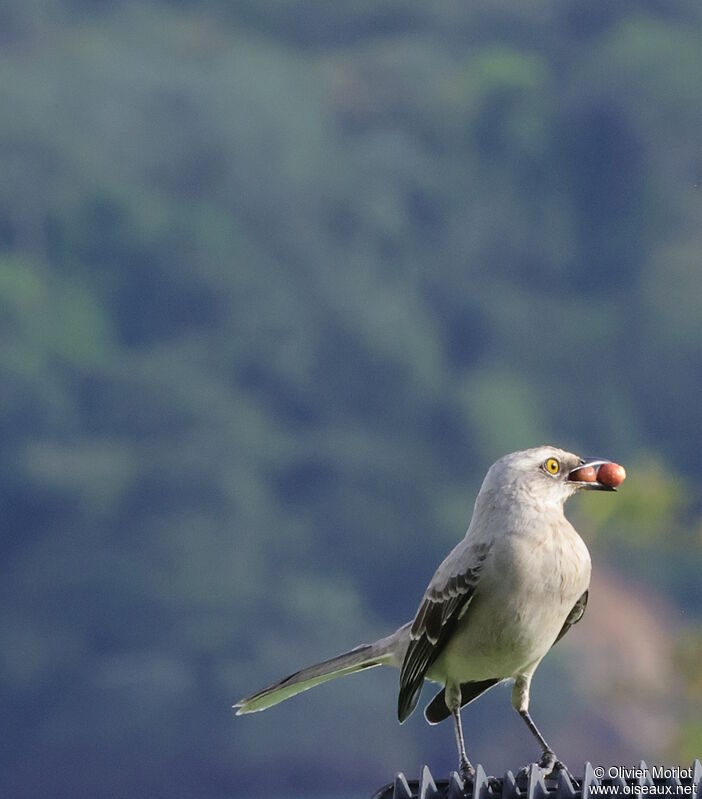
[521,603]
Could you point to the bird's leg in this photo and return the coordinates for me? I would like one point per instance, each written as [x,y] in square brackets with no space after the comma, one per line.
[465,766]
[520,702]
[453,703]
[548,756]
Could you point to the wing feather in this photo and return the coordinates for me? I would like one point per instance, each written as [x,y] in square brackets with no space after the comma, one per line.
[444,603]
[574,616]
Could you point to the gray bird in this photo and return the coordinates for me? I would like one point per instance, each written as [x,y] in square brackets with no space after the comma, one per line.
[513,587]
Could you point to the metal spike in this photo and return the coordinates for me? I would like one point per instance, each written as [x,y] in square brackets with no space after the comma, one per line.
[697,778]
[456,789]
[427,787]
[564,787]
[646,778]
[672,781]
[401,789]
[481,786]
[509,786]
[536,787]
[589,779]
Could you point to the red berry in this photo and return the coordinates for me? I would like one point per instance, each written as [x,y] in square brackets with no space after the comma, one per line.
[586,474]
[611,474]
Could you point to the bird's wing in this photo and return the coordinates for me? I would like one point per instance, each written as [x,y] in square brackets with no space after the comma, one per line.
[445,601]
[574,616]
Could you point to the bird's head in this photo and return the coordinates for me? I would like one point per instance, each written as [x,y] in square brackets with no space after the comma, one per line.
[550,475]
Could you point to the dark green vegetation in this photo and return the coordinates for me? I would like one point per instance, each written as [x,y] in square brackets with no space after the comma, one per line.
[278,281]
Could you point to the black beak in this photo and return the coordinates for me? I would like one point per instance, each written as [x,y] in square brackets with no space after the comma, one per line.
[594,485]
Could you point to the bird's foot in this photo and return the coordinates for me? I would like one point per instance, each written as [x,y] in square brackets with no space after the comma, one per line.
[553,766]
[550,765]
[548,761]
[522,775]
[466,770]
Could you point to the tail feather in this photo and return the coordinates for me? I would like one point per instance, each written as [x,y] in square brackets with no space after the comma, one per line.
[362,657]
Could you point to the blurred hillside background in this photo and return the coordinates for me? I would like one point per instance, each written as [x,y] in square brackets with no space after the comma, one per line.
[278,282]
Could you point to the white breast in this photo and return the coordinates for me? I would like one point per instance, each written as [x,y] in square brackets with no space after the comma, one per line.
[531,581]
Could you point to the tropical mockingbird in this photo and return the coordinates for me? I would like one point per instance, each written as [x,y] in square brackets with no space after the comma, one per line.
[515,584]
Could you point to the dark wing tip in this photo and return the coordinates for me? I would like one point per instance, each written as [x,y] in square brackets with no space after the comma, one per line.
[436,710]
[407,701]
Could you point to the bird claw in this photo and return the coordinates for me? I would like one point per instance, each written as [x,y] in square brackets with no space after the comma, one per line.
[548,763]
[522,776]
[466,771]
[553,766]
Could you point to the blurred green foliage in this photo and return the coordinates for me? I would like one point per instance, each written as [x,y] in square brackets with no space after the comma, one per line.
[278,281]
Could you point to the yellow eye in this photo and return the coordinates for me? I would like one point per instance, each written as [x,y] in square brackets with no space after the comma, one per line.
[552,466]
